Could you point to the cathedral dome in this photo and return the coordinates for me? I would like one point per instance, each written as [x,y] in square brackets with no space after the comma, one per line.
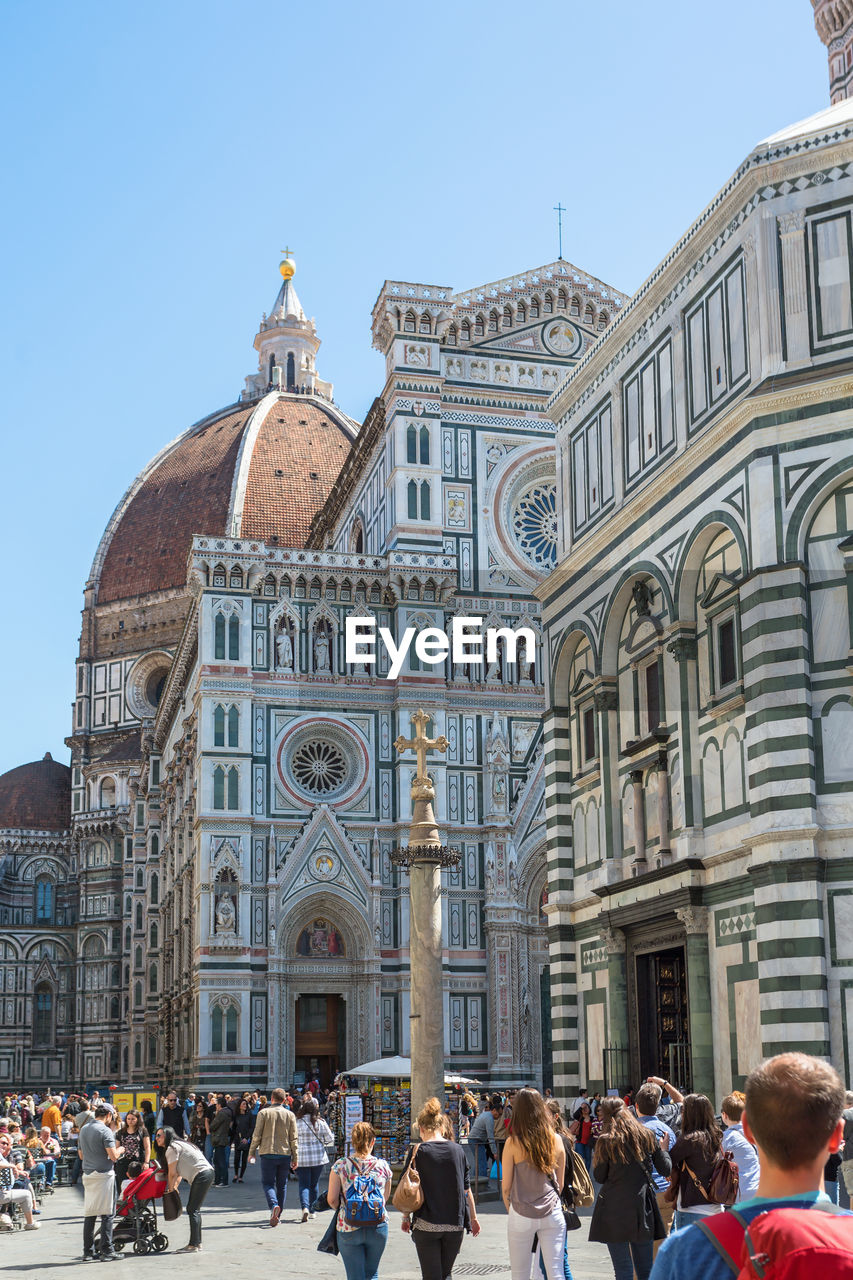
[259,470]
[36,796]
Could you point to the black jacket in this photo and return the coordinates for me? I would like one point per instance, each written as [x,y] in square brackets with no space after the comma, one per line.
[625,1207]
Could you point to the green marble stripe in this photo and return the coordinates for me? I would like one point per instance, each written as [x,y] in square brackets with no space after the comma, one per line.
[783,773]
[782,803]
[798,909]
[817,1048]
[789,949]
[773,657]
[794,983]
[795,742]
[773,626]
[789,1016]
[751,595]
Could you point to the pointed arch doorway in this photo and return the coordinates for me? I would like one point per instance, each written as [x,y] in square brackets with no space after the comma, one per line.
[319,1038]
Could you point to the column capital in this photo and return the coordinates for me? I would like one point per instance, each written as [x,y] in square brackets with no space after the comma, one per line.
[694,919]
[792,222]
[606,700]
[613,941]
[683,648]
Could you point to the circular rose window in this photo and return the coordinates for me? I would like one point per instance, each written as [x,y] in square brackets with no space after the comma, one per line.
[322,760]
[534,523]
[319,767]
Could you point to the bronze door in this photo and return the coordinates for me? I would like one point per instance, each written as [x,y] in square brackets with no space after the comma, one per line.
[663,1023]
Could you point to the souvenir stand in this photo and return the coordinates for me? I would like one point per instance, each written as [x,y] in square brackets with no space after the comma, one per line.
[384,1088]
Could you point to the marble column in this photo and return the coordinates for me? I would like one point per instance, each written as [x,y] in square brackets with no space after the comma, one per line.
[617,1000]
[793,242]
[695,921]
[639,820]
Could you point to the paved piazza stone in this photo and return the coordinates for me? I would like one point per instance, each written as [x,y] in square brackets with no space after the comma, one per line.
[238,1241]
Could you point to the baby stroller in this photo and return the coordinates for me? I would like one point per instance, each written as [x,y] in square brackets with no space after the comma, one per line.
[136,1215]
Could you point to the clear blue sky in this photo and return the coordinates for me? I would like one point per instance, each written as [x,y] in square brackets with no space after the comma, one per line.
[158,156]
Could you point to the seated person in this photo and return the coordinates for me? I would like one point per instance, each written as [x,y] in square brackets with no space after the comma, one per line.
[9,1192]
[133,1171]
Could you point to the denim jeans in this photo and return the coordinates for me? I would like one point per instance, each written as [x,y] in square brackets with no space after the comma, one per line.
[274,1174]
[584,1150]
[220,1165]
[628,1258]
[683,1218]
[362,1249]
[106,1234]
[309,1184]
[208,1148]
[199,1188]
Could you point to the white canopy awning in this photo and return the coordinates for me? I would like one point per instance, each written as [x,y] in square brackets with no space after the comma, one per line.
[397,1068]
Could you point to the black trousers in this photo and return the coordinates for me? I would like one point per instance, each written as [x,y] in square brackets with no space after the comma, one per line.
[106,1233]
[199,1188]
[437,1252]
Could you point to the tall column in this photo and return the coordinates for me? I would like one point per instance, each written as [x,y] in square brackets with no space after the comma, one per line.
[617,1002]
[695,921]
[639,860]
[425,855]
[792,238]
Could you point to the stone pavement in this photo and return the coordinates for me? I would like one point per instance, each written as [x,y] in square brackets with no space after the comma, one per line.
[238,1241]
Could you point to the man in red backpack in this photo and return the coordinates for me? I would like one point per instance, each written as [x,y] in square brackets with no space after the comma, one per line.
[793,1114]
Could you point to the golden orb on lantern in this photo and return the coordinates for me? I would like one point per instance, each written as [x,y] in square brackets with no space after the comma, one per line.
[287,267]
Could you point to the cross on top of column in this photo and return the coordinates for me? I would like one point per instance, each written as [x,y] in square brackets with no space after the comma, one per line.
[420,744]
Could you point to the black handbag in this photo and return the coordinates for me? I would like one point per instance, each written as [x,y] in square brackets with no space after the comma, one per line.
[172,1207]
[660,1226]
[329,1243]
[571,1218]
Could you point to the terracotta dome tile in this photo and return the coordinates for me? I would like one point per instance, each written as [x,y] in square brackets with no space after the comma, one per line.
[36,796]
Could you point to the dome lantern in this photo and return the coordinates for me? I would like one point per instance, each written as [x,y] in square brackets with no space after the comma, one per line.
[287,345]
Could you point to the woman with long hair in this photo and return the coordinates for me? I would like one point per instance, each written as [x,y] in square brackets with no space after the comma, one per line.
[179,1159]
[360,1247]
[467,1112]
[241,1136]
[693,1158]
[555,1117]
[448,1210]
[534,1166]
[626,1216]
[199,1125]
[314,1136]
[136,1142]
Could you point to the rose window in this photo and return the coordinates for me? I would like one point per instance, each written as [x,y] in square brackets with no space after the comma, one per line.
[534,523]
[319,767]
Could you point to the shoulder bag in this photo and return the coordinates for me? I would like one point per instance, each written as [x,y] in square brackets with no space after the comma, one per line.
[408,1195]
[659,1232]
[571,1218]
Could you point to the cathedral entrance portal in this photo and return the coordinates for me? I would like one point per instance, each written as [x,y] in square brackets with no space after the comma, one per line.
[663,1031]
[320,1039]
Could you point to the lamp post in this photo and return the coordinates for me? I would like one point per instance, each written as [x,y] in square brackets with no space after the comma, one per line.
[424,856]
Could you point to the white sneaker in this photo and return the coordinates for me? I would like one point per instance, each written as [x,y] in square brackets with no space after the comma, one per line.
[31,1226]
[311,1217]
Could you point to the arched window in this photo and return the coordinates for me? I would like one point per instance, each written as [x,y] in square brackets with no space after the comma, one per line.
[575,306]
[219,726]
[549,303]
[233,789]
[358,539]
[153,936]
[43,1021]
[44,901]
[216,1020]
[219,576]
[562,299]
[115,1008]
[451,336]
[233,726]
[507,318]
[152,1048]
[426,324]
[409,322]
[124,1060]
[231,1030]
[236,577]
[534,308]
[493,322]
[588,313]
[137,957]
[291,372]
[139,915]
[108,794]
[233,639]
[219,635]
[155,889]
[152,979]
[137,994]
[413,500]
[127,938]
[137,1052]
[521,312]
[425,500]
[155,845]
[479,327]
[140,878]
[411,444]
[219,787]
[272,366]
[424,446]
[466,330]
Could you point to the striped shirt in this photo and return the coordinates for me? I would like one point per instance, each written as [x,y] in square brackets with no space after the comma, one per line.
[313,1142]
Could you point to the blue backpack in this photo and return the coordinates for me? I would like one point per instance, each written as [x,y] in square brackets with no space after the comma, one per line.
[364,1203]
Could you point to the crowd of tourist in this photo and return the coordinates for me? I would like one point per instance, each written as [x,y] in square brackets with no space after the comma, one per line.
[678,1189]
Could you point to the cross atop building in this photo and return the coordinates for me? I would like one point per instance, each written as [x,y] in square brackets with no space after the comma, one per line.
[421,744]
